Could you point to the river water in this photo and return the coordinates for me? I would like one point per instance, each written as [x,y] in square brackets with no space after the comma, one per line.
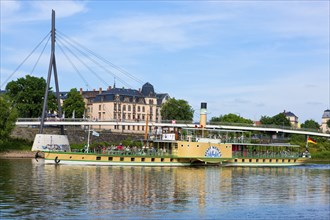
[33,190]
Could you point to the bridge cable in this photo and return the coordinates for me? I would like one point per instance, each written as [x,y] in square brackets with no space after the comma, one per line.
[74,66]
[35,65]
[95,62]
[106,61]
[19,66]
[82,62]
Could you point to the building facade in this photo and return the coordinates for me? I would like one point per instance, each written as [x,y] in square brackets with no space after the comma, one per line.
[124,105]
[292,118]
[325,118]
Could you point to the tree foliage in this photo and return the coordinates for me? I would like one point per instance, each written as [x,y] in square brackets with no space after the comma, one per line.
[179,110]
[27,95]
[328,123]
[8,116]
[279,119]
[74,103]
[231,118]
[310,124]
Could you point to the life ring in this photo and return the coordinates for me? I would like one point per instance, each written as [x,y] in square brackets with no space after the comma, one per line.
[57,160]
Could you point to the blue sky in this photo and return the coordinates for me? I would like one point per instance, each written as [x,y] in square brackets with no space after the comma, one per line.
[251,58]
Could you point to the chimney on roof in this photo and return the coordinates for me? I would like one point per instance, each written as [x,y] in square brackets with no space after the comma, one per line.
[100,90]
[81,91]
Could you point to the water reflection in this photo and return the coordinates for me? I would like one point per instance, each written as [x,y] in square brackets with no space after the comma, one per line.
[33,190]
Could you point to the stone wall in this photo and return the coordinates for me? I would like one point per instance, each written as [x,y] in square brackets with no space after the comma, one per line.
[76,135]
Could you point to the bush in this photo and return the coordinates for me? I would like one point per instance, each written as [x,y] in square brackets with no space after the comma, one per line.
[15,144]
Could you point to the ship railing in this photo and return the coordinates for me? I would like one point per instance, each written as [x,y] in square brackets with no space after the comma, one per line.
[140,152]
[241,154]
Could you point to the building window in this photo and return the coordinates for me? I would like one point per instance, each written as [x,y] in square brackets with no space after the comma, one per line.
[100,107]
[138,108]
[143,109]
[129,108]
[124,107]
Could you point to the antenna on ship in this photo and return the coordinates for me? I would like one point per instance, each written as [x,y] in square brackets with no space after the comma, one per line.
[52,66]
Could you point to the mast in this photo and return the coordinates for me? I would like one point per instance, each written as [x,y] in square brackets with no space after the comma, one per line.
[52,66]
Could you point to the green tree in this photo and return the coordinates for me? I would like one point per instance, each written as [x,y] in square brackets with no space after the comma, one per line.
[328,123]
[231,118]
[27,95]
[8,116]
[279,119]
[310,124]
[179,110]
[74,103]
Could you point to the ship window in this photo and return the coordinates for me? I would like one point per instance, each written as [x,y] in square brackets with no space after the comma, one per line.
[289,160]
[250,160]
[132,159]
[235,160]
[152,159]
[294,160]
[98,158]
[270,160]
[263,160]
[171,159]
[83,158]
[243,160]
[142,159]
[181,145]
[110,158]
[162,159]
[282,160]
[257,160]
[70,157]
[197,145]
[276,160]
[121,159]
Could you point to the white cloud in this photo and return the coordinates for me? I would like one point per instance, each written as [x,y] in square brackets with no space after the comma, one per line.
[168,32]
[17,13]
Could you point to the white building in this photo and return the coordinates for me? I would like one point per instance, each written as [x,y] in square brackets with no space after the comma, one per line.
[325,118]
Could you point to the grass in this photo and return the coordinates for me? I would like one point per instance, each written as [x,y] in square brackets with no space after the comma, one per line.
[16,144]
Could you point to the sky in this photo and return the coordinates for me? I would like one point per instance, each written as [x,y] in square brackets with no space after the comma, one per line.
[250,58]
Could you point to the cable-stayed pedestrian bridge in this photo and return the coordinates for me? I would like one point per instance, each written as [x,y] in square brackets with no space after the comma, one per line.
[240,127]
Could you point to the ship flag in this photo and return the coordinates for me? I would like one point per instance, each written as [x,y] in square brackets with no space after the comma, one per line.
[310,140]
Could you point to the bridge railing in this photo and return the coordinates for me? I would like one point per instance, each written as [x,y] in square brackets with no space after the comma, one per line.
[166,122]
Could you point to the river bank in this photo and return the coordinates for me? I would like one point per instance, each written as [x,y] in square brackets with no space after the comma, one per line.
[17,154]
